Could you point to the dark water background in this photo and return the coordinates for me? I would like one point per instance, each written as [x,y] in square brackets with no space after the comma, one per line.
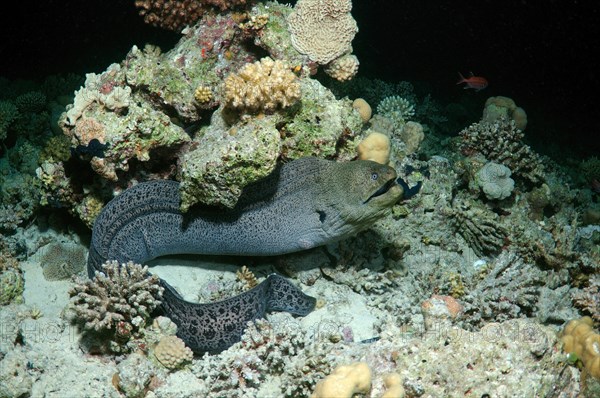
[540,53]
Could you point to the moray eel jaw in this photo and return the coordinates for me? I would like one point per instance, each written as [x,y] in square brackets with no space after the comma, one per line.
[387,195]
[358,194]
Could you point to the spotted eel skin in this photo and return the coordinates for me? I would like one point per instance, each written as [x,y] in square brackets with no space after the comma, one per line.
[303,204]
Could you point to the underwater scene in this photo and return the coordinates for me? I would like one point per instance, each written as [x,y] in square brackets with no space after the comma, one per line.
[313,198]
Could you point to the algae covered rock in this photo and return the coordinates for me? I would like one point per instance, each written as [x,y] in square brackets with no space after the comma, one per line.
[11,286]
[122,121]
[225,159]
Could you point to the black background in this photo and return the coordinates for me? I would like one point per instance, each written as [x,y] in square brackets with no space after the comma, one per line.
[540,53]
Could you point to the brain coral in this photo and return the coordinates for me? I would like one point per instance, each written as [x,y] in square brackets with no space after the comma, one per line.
[62,260]
[322,29]
[264,85]
[494,179]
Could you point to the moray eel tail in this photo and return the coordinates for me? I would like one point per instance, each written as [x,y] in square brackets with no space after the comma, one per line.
[216,326]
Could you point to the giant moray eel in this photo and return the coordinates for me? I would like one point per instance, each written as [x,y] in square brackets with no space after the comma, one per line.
[303,204]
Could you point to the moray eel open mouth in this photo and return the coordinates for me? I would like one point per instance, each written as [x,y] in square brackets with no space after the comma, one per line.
[383,190]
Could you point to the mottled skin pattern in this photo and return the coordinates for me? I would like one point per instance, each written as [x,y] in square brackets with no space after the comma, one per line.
[303,204]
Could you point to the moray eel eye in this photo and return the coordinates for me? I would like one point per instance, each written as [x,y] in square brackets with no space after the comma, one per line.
[374,176]
[384,188]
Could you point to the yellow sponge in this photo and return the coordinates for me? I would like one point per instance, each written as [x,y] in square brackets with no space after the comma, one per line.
[376,147]
[393,385]
[578,337]
[344,382]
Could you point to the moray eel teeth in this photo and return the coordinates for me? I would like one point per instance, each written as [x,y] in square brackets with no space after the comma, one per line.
[304,203]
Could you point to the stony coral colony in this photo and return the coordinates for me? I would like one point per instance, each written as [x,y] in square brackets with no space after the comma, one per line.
[501,241]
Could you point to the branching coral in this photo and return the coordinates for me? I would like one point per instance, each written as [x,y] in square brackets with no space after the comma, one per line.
[397,109]
[500,141]
[170,14]
[266,348]
[265,85]
[8,114]
[120,298]
[177,14]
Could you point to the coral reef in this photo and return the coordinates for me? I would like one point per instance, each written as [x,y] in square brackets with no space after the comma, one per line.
[119,300]
[375,147]
[322,29]
[363,108]
[345,381]
[454,275]
[107,109]
[343,68]
[62,260]
[478,226]
[579,337]
[495,182]
[172,352]
[500,141]
[262,86]
[504,108]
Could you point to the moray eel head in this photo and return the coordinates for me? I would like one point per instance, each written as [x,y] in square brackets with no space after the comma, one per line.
[364,191]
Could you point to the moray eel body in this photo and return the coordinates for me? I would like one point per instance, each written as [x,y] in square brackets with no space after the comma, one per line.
[303,204]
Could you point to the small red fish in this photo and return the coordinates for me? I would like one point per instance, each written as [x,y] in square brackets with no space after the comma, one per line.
[475,82]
